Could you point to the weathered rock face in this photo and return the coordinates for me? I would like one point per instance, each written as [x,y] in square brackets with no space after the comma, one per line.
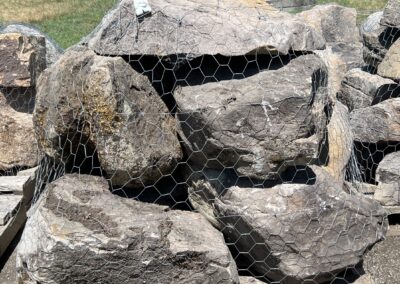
[195,28]
[293,232]
[101,104]
[390,66]
[53,51]
[257,123]
[378,123]
[377,39]
[336,23]
[78,227]
[18,146]
[388,177]
[359,89]
[340,139]
[383,260]
[391,14]
[389,169]
[22,59]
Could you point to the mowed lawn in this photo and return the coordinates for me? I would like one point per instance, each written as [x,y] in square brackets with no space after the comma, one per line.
[67,21]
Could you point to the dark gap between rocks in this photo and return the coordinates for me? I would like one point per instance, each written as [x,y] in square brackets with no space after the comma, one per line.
[386,92]
[20,99]
[369,155]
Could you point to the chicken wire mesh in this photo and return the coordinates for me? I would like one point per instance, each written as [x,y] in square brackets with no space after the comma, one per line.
[206,142]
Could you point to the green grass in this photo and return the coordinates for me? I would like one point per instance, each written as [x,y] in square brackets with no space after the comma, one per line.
[66,21]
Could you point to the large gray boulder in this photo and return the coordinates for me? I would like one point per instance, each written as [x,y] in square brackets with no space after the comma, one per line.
[377,123]
[194,28]
[53,51]
[391,14]
[101,104]
[22,59]
[360,88]
[293,232]
[79,232]
[259,124]
[18,146]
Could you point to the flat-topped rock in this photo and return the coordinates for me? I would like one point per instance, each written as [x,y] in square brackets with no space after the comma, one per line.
[83,227]
[193,28]
[8,205]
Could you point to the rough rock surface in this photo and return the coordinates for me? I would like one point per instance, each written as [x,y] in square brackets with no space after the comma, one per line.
[22,59]
[197,27]
[79,232]
[388,170]
[390,66]
[382,262]
[360,88]
[340,139]
[18,146]
[293,232]
[371,23]
[336,23]
[253,125]
[53,51]
[391,14]
[380,122]
[388,177]
[103,104]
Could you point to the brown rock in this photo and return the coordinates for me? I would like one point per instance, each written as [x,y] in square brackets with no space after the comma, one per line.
[390,66]
[22,59]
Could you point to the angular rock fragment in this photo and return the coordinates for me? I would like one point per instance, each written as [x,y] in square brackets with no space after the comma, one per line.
[340,140]
[80,232]
[360,88]
[259,124]
[390,66]
[18,145]
[377,123]
[388,178]
[391,14]
[293,232]
[194,28]
[249,280]
[90,105]
[22,59]
[336,23]
[53,51]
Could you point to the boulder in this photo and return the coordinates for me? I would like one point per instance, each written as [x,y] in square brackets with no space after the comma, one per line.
[388,178]
[377,39]
[293,232]
[377,123]
[382,262]
[390,66]
[89,105]
[18,146]
[254,124]
[360,88]
[391,14]
[53,51]
[79,232]
[364,279]
[197,27]
[388,170]
[371,23]
[22,59]
[336,23]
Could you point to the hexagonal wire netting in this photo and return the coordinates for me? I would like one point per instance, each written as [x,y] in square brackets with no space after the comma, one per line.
[207,142]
